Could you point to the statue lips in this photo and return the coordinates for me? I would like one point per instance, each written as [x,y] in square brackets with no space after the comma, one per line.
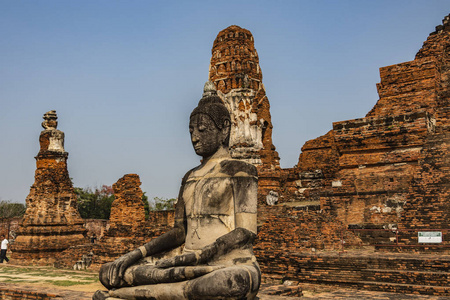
[198,148]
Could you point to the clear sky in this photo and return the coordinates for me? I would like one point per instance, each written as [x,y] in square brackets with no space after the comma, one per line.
[124,76]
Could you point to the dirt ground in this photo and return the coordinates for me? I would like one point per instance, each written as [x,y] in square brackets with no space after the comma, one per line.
[80,285]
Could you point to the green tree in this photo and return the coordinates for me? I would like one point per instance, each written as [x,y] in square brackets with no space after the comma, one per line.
[146,205]
[95,203]
[9,210]
[163,203]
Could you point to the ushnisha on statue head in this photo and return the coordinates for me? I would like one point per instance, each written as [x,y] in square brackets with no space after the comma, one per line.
[210,124]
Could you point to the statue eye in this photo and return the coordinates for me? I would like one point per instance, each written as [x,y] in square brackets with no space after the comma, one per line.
[191,129]
[201,128]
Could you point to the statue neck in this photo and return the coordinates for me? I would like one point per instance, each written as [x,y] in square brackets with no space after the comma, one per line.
[221,153]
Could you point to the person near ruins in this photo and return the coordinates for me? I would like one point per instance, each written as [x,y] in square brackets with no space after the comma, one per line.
[215,222]
[4,248]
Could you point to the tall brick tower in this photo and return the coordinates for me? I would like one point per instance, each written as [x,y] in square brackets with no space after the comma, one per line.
[52,222]
[235,71]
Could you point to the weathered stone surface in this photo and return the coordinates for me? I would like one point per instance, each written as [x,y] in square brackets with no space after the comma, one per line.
[235,71]
[51,222]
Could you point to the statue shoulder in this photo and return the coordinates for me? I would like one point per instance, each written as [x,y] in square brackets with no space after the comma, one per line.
[235,167]
[186,176]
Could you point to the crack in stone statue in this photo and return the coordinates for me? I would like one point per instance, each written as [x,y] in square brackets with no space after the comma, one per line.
[208,254]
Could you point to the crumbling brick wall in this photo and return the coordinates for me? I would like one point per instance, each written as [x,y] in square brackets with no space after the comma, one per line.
[127,210]
[376,170]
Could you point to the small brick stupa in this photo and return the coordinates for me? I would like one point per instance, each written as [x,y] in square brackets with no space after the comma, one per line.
[235,71]
[51,222]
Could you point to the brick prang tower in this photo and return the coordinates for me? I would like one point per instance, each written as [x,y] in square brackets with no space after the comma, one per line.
[235,71]
[51,222]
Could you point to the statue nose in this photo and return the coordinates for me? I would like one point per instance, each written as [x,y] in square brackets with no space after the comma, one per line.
[194,137]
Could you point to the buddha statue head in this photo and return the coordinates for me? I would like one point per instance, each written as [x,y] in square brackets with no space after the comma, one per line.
[210,124]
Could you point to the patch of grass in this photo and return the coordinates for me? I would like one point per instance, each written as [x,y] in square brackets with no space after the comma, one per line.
[94,279]
[13,270]
[44,274]
[67,282]
[20,280]
[47,275]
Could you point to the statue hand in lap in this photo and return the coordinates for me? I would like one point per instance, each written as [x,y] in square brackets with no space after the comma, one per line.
[114,272]
[215,222]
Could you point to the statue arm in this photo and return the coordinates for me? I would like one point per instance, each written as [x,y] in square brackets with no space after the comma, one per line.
[116,270]
[171,239]
[237,238]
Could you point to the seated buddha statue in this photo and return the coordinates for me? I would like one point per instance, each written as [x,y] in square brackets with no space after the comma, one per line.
[208,254]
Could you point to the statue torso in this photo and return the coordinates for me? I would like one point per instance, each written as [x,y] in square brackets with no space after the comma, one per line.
[210,199]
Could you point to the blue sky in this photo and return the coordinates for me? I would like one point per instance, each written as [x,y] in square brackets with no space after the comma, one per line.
[124,76]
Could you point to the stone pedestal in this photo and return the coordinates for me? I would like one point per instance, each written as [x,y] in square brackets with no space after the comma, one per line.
[51,222]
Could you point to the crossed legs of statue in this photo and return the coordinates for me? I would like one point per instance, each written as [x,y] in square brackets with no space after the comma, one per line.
[200,282]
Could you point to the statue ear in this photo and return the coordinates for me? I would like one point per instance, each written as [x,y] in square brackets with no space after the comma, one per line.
[226,130]
[227,126]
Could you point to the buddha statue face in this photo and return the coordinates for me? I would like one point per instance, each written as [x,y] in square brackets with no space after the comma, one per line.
[210,124]
[206,137]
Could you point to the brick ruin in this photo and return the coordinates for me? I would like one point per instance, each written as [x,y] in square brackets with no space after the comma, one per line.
[126,222]
[235,71]
[386,169]
[51,222]
[127,193]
